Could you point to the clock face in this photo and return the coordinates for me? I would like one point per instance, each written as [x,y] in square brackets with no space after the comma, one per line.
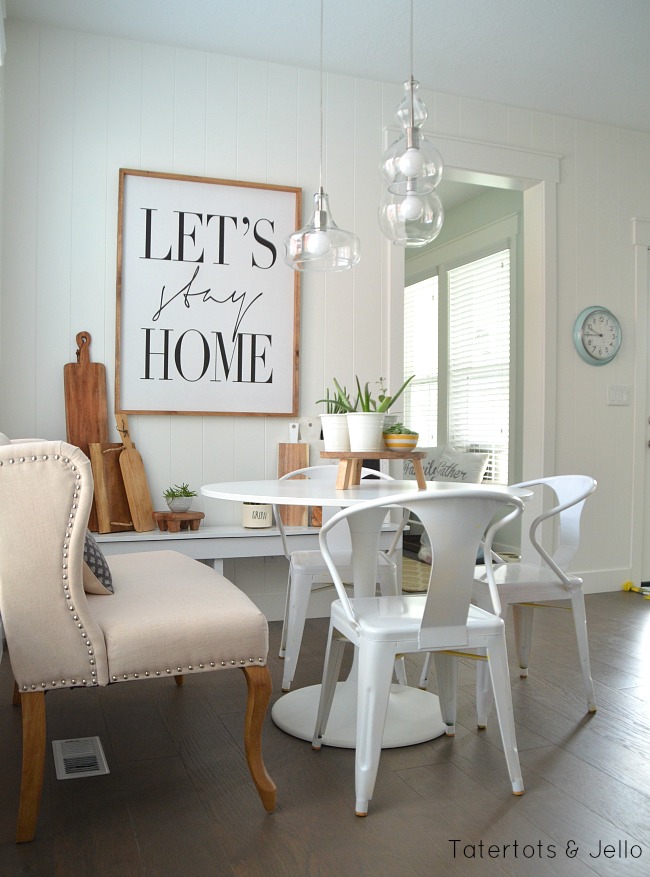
[597,335]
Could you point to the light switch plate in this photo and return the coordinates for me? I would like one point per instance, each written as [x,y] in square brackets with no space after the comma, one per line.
[619,395]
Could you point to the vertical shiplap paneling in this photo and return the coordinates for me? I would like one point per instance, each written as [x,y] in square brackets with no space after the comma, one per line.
[217,451]
[625,305]
[542,132]
[315,371]
[472,119]
[54,337]
[124,112]
[190,98]
[190,94]
[90,137]
[221,117]
[368,288]
[644,175]
[446,114]
[156,99]
[569,365]
[283,125]
[20,211]
[281,169]
[519,127]
[157,103]
[249,435]
[341,315]
[252,121]
[496,123]
[43,180]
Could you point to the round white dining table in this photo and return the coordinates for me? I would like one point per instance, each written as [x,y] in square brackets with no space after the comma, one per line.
[413,715]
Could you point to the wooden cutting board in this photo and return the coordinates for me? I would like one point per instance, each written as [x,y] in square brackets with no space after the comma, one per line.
[86,411]
[135,481]
[293,455]
[111,501]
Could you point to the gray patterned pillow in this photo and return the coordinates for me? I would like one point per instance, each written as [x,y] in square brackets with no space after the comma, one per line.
[97,567]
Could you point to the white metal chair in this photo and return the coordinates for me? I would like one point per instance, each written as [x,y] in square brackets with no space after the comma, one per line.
[541,576]
[441,621]
[169,615]
[308,572]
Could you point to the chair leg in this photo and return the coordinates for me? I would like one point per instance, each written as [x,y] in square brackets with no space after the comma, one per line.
[447,676]
[179,679]
[258,680]
[424,675]
[376,662]
[31,785]
[16,695]
[285,620]
[580,622]
[484,696]
[331,670]
[500,675]
[523,623]
[300,592]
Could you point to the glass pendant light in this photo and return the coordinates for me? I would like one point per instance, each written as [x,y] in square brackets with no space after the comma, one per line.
[321,245]
[410,213]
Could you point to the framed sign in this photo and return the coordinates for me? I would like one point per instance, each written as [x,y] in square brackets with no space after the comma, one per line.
[207,310]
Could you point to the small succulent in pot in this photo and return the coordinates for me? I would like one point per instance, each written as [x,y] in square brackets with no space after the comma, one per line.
[179,497]
[398,437]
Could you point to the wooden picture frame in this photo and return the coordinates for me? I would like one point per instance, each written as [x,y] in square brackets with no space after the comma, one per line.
[208,312]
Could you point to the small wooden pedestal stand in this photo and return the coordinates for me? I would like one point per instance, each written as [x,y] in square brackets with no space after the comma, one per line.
[351,463]
[174,522]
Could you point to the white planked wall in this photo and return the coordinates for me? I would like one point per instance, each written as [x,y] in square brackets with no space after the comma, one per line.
[78,107]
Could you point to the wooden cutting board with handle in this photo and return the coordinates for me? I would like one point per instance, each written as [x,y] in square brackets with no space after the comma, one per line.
[135,481]
[86,411]
[292,455]
[111,501]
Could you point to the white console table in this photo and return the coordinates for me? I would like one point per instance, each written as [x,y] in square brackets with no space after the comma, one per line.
[214,544]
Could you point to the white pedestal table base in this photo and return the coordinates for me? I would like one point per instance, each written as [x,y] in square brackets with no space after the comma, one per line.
[413,715]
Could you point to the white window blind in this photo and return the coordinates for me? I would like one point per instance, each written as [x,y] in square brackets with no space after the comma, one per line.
[421,359]
[479,359]
[475,380]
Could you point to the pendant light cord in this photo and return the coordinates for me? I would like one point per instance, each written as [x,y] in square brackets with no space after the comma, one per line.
[409,135]
[320,170]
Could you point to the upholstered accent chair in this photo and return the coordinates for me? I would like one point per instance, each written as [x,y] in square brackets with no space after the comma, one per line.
[168,615]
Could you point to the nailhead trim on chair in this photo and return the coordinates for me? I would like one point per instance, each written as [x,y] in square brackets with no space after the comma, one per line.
[66,586]
[190,667]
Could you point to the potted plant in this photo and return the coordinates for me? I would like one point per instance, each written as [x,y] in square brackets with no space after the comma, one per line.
[366,419]
[334,421]
[179,497]
[398,437]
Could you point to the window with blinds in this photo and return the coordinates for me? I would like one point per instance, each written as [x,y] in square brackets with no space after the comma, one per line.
[421,359]
[465,399]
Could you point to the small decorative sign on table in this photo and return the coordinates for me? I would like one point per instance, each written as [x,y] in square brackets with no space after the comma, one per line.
[207,309]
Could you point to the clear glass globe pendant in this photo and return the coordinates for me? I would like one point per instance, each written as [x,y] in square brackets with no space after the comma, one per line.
[410,213]
[321,245]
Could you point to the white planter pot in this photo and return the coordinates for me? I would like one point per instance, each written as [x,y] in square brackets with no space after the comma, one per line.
[256,515]
[180,504]
[335,432]
[366,430]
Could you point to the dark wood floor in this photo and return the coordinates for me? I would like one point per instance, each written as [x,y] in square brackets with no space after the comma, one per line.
[178,800]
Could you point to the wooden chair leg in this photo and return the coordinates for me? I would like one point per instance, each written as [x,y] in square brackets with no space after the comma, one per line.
[258,680]
[33,709]
[180,679]
[16,698]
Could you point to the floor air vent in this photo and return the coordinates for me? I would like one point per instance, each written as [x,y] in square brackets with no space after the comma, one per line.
[81,757]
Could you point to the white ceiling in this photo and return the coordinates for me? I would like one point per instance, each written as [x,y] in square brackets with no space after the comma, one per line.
[587,59]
